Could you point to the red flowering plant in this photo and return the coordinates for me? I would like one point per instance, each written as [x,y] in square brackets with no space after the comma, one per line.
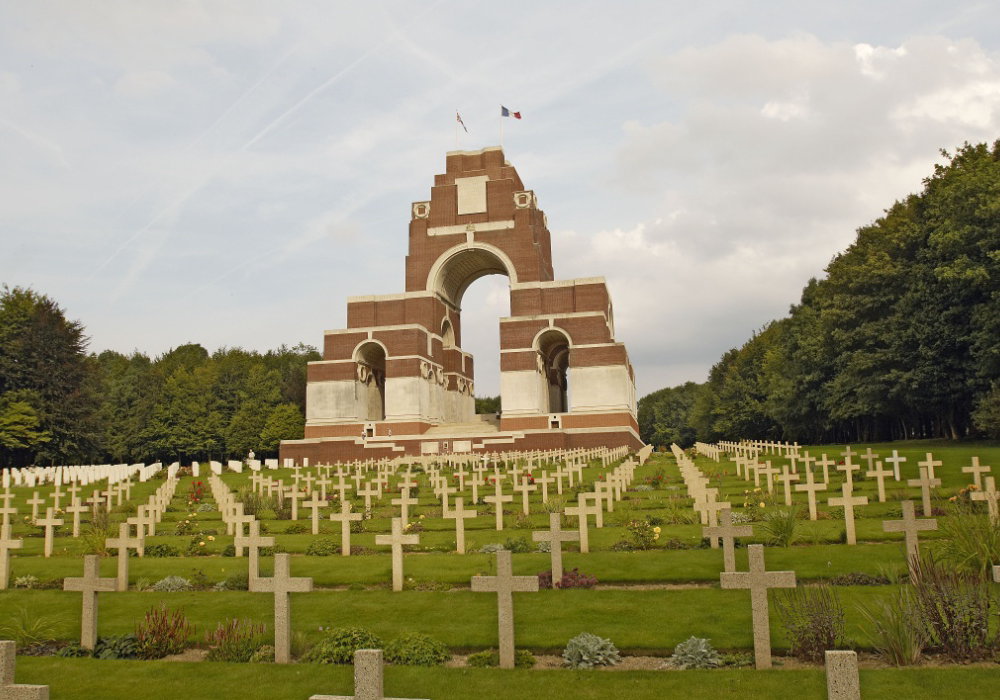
[196,493]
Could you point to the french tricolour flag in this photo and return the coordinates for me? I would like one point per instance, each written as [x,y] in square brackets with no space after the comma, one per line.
[504,112]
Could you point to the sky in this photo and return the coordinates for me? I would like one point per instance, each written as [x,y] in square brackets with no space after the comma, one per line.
[228,173]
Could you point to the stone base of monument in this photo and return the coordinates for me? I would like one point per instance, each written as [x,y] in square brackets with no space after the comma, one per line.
[458,439]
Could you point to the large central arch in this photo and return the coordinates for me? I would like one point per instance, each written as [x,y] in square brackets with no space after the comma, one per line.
[456,269]
[398,376]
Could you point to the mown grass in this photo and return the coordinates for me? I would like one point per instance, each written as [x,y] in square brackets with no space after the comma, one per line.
[114,680]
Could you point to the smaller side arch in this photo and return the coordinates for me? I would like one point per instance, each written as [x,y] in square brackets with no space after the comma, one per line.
[370,364]
[553,346]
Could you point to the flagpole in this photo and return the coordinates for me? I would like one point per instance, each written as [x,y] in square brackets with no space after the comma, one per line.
[456,128]
[501,129]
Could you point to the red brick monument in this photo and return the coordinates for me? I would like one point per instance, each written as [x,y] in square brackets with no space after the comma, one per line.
[396,381]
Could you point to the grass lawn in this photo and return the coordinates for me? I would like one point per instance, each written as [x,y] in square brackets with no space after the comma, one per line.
[157,680]
[352,591]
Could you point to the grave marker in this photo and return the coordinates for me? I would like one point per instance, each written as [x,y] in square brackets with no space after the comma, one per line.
[346,517]
[90,585]
[977,472]
[498,499]
[926,482]
[555,536]
[397,539]
[504,584]
[123,543]
[50,523]
[848,500]
[910,527]
[368,678]
[460,515]
[6,545]
[728,532]
[842,680]
[879,473]
[281,585]
[990,495]
[9,689]
[758,580]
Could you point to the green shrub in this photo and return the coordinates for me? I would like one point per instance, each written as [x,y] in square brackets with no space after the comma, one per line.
[518,545]
[780,527]
[339,644]
[588,650]
[416,649]
[296,529]
[162,550]
[896,632]
[491,658]
[27,581]
[955,608]
[971,542]
[117,646]
[162,633]
[28,629]
[695,653]
[322,548]
[235,640]
[814,619]
[172,584]
[237,582]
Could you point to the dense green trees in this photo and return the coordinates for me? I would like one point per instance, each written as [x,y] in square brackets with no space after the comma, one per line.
[60,405]
[900,339]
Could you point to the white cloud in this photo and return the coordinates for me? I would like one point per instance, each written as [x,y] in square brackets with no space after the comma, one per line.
[144,83]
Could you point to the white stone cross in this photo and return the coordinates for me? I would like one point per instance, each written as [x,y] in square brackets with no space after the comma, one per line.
[545,480]
[880,474]
[6,545]
[826,463]
[895,460]
[727,532]
[89,585]
[786,479]
[581,511]
[910,527]
[504,584]
[368,678]
[50,523]
[848,500]
[555,536]
[990,495]
[404,502]
[6,511]
[711,508]
[367,492]
[811,487]
[76,508]
[16,691]
[769,472]
[460,515]
[758,580]
[281,585]
[34,503]
[397,539]
[869,457]
[294,495]
[977,472]
[346,517]
[926,482]
[497,500]
[930,463]
[525,487]
[314,504]
[123,543]
[842,680]
[253,542]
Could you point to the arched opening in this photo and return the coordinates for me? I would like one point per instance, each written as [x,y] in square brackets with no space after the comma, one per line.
[553,347]
[447,334]
[370,360]
[455,270]
[485,302]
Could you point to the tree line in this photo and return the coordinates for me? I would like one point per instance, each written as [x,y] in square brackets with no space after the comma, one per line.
[60,404]
[899,340]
